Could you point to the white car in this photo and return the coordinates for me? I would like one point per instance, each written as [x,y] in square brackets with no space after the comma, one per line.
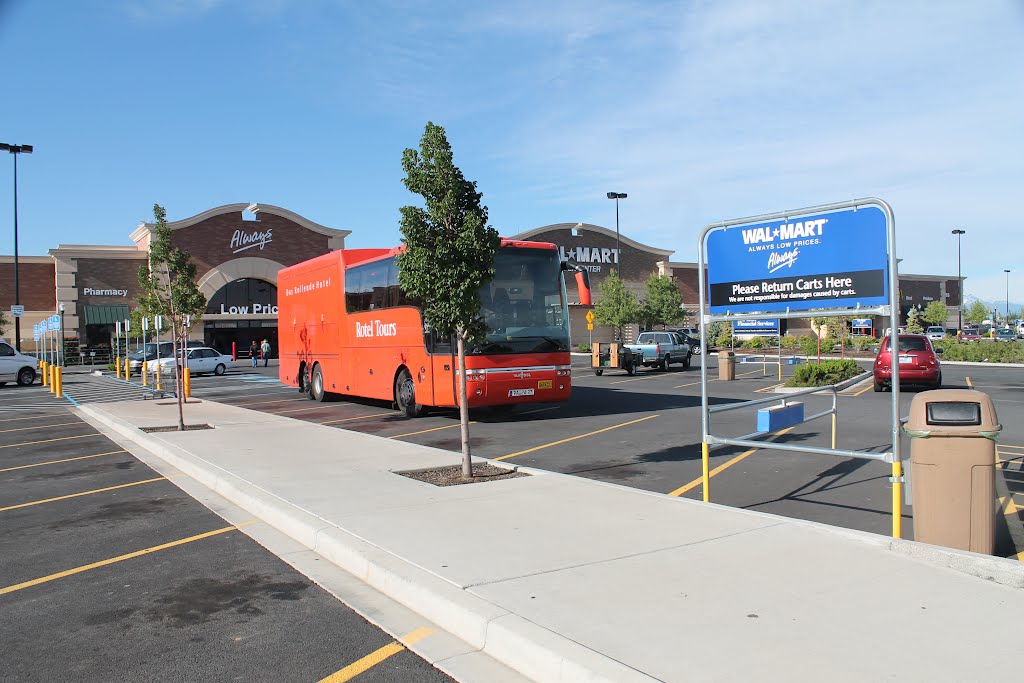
[200,359]
[935,333]
[17,367]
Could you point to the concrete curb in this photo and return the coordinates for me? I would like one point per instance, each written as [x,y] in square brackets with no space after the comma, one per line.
[842,386]
[519,644]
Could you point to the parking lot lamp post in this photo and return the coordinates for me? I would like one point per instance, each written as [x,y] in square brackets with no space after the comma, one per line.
[62,361]
[960,284]
[1007,321]
[15,150]
[618,260]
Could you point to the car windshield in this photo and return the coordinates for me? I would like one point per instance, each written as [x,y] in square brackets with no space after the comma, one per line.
[524,306]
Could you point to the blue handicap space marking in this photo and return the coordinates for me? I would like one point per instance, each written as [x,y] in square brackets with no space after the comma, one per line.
[260,379]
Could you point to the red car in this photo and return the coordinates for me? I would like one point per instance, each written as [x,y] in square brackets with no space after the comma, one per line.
[970,334]
[917,363]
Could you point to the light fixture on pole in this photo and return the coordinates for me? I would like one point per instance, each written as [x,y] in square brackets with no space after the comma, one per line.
[959,283]
[1007,297]
[617,196]
[16,150]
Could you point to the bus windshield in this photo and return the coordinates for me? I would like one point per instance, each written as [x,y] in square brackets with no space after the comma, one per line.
[524,306]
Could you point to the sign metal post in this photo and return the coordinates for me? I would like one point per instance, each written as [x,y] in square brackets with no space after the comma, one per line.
[829,260]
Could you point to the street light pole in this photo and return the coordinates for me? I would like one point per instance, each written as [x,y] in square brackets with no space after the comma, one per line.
[617,196]
[960,284]
[16,150]
[1007,297]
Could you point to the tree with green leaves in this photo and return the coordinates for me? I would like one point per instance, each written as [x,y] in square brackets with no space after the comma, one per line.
[662,305]
[617,306]
[914,322]
[449,255]
[935,313]
[975,313]
[168,281]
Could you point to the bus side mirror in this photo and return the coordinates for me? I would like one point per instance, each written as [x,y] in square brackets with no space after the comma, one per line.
[583,285]
[582,280]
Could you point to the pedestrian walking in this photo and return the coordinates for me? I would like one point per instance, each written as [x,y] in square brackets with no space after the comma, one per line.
[254,353]
[265,348]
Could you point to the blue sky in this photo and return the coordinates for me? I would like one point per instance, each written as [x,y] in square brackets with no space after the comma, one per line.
[700,111]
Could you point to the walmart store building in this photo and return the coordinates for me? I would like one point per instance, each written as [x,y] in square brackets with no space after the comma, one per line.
[238,250]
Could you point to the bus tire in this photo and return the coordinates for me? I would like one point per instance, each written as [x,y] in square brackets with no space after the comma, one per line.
[316,385]
[405,395]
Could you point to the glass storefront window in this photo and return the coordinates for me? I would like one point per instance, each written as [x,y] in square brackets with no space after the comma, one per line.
[244,296]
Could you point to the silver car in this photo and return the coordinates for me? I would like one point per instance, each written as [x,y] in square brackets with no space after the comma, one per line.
[935,333]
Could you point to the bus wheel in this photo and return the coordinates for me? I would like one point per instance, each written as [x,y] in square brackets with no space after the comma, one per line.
[316,385]
[405,395]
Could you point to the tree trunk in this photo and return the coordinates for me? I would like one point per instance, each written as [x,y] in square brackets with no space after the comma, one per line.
[467,459]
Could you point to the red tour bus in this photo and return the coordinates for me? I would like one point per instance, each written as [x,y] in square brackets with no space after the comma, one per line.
[346,327]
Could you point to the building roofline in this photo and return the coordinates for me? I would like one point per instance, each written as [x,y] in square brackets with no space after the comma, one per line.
[594,228]
[140,232]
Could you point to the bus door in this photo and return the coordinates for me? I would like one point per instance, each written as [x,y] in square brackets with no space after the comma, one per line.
[444,361]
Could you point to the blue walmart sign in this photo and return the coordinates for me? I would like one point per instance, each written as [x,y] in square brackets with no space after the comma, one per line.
[830,260]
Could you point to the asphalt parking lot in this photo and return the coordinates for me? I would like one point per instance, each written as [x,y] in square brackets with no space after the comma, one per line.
[644,431]
[110,572]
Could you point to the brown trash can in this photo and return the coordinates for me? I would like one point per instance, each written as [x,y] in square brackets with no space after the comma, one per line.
[953,468]
[726,365]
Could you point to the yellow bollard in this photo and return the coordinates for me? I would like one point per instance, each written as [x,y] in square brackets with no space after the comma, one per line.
[117,366]
[186,381]
[705,471]
[60,382]
[42,371]
[156,374]
[127,369]
[897,500]
[144,369]
[52,372]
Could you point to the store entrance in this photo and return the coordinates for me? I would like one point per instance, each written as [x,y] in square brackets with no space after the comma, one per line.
[221,333]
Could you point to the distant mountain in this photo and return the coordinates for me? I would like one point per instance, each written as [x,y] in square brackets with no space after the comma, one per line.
[999,304]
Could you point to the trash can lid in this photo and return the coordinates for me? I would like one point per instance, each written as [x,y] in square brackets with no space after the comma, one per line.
[952,412]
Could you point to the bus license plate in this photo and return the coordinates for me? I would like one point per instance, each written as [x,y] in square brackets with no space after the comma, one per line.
[520,392]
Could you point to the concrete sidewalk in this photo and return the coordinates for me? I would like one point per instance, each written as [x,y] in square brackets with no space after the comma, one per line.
[566,579]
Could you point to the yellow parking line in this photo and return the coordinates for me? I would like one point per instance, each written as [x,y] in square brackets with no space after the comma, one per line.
[765,390]
[61,424]
[1006,445]
[54,462]
[969,385]
[424,431]
[357,417]
[35,417]
[374,658]
[119,558]
[63,438]
[1010,509]
[573,438]
[691,384]
[869,387]
[83,493]
[312,406]
[723,467]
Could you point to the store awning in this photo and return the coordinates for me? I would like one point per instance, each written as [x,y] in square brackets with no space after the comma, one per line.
[100,314]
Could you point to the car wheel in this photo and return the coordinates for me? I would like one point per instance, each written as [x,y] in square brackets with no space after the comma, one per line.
[686,363]
[316,386]
[879,387]
[405,395]
[696,349]
[598,371]
[26,376]
[665,362]
[630,369]
[219,370]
